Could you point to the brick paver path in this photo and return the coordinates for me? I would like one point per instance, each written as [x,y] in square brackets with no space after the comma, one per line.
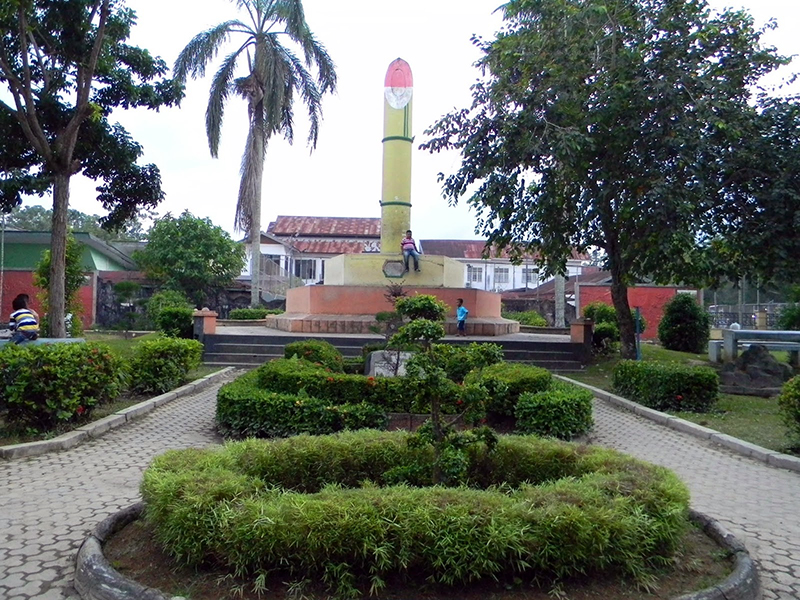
[48,504]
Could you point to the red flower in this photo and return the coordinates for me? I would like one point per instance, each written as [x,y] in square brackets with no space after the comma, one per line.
[459,402]
[370,379]
[678,397]
[80,410]
[330,378]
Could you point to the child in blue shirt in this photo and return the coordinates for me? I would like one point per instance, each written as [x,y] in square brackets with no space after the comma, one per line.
[461,316]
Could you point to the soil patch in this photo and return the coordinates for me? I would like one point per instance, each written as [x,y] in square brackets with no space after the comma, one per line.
[135,553]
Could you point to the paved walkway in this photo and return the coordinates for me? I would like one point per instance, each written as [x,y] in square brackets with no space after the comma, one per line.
[48,504]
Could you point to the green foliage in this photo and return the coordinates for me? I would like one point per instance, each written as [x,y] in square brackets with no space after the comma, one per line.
[245,410]
[162,364]
[191,255]
[789,317]
[562,411]
[54,383]
[505,383]
[665,386]
[417,331]
[527,317]
[600,312]
[176,321]
[421,306]
[252,314]
[39,218]
[604,337]
[164,299]
[316,351]
[321,508]
[685,325]
[73,282]
[354,365]
[789,403]
[458,360]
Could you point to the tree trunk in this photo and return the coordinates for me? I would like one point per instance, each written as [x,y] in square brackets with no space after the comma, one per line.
[255,256]
[627,331]
[58,258]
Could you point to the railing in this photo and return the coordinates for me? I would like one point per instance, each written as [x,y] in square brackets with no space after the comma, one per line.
[724,315]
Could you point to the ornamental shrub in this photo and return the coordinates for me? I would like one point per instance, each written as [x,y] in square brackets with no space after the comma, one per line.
[789,317]
[300,508]
[253,314]
[49,384]
[316,351]
[685,326]
[176,321]
[421,306]
[163,364]
[505,382]
[244,410]
[526,317]
[600,312]
[667,386]
[562,411]
[458,360]
[604,337]
[789,403]
[163,299]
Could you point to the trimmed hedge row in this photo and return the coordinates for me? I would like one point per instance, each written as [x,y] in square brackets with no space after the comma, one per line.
[244,410]
[667,386]
[789,403]
[299,509]
[58,383]
[562,411]
[505,382]
[316,351]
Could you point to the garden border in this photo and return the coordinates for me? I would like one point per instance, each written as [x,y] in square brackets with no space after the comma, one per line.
[96,579]
[765,455]
[97,428]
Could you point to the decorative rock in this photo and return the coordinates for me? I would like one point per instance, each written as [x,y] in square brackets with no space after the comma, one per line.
[387,363]
[755,372]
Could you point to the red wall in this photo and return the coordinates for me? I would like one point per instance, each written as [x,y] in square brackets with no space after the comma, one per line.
[649,299]
[21,282]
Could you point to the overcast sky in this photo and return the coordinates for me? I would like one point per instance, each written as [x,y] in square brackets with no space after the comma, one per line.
[343,176]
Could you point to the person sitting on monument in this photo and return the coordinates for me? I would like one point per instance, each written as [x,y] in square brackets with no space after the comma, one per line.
[409,248]
[22,322]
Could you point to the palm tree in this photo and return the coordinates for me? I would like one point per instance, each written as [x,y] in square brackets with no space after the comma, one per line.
[275,74]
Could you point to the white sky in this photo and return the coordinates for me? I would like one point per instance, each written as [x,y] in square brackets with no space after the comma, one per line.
[343,176]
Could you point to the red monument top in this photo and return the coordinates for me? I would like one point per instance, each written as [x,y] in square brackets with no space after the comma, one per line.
[399,75]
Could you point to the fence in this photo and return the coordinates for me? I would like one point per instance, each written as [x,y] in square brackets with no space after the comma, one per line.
[746,315]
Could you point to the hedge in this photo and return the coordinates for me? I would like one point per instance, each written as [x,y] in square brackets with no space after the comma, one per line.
[506,382]
[316,351]
[562,411]
[300,509]
[789,404]
[163,364]
[49,384]
[252,314]
[667,386]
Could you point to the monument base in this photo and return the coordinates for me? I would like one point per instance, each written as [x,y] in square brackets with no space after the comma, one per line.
[381,269]
[363,324]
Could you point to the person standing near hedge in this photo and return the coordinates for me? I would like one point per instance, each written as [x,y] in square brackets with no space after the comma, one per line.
[461,317]
[23,322]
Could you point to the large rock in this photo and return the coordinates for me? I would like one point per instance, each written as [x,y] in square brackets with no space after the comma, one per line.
[755,372]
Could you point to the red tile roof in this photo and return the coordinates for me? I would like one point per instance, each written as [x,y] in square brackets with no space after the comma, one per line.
[325,226]
[472,249]
[330,246]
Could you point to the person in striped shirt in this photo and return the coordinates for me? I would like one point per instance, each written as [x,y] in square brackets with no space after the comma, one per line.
[23,322]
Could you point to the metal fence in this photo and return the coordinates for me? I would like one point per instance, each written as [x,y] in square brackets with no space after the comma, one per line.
[746,315]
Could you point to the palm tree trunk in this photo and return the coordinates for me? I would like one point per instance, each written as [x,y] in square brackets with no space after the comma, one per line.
[58,257]
[252,177]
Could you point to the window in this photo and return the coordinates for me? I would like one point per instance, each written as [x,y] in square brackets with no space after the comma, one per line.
[474,274]
[501,275]
[530,275]
[305,268]
[275,258]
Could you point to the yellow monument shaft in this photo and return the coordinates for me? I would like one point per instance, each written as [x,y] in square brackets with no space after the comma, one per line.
[397,145]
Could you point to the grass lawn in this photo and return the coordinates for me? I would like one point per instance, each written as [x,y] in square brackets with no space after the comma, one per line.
[755,420]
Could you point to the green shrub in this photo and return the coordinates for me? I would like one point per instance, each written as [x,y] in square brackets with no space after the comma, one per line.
[685,326]
[176,321]
[600,312]
[527,317]
[163,299]
[789,403]
[459,360]
[562,411]
[417,331]
[604,337]
[421,306]
[353,365]
[245,410]
[300,508]
[162,364]
[55,383]
[247,314]
[789,317]
[667,386]
[316,351]
[506,381]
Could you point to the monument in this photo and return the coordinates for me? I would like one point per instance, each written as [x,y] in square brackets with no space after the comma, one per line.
[355,284]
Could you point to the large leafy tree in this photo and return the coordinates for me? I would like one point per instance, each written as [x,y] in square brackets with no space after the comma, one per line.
[39,218]
[275,74]
[65,66]
[190,255]
[607,124]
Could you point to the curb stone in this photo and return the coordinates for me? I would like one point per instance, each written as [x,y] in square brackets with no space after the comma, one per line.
[765,455]
[97,428]
[96,579]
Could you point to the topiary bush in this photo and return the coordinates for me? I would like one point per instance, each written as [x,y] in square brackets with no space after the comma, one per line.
[300,509]
[253,314]
[421,306]
[527,317]
[163,364]
[458,360]
[600,312]
[163,299]
[176,321]
[685,326]
[563,411]
[789,403]
[49,384]
[505,382]
[604,337]
[245,410]
[316,351]
[667,386]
